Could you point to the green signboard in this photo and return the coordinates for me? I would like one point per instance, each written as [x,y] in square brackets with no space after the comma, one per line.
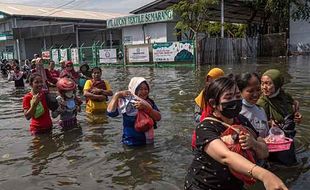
[139,19]
[4,37]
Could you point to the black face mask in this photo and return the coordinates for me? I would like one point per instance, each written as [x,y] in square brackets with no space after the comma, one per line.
[231,109]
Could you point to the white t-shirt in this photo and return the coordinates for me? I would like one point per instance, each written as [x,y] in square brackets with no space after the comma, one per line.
[256,116]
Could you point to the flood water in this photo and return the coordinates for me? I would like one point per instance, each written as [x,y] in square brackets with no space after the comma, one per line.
[92,157]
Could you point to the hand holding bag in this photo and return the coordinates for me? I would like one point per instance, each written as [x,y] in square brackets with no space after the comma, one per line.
[231,139]
[39,110]
[143,122]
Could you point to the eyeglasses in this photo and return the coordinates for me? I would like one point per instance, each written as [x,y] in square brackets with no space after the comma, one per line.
[69,65]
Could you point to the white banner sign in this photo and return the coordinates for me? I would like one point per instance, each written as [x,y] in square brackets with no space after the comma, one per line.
[107,56]
[63,54]
[75,55]
[55,56]
[138,54]
[173,51]
[46,55]
[163,52]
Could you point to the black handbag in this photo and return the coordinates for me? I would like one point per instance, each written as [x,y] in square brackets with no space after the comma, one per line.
[51,101]
[288,126]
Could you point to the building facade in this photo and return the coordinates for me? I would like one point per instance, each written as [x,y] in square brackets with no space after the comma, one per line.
[26,30]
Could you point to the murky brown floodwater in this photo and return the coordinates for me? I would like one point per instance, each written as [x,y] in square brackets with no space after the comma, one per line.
[93,157]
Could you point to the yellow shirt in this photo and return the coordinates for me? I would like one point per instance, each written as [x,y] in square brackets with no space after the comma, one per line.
[94,106]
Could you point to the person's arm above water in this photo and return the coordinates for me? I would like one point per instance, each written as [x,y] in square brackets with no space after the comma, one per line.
[113,105]
[108,91]
[29,109]
[218,151]
[258,145]
[153,113]
[297,114]
[90,95]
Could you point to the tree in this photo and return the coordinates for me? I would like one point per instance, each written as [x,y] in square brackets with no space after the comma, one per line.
[277,13]
[193,16]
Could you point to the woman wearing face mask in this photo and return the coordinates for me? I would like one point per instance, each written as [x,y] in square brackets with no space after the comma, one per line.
[128,103]
[215,165]
[282,111]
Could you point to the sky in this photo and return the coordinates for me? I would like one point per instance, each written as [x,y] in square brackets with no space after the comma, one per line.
[117,6]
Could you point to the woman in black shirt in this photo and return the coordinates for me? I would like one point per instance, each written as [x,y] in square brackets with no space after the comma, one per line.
[215,166]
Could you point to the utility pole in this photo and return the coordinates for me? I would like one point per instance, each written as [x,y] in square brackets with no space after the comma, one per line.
[222,19]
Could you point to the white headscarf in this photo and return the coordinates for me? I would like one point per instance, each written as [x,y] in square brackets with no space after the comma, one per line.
[135,82]
[132,87]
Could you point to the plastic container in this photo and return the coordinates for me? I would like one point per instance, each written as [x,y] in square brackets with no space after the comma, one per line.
[276,132]
[276,141]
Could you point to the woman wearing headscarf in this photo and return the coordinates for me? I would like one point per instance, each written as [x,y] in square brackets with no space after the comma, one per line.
[227,145]
[199,100]
[201,108]
[129,103]
[281,110]
[70,72]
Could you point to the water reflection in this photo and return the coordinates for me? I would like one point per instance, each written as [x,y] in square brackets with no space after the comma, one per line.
[92,157]
[99,118]
[42,147]
[139,166]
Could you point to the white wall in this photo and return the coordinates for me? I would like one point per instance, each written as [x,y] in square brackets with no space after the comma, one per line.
[133,35]
[299,34]
[157,32]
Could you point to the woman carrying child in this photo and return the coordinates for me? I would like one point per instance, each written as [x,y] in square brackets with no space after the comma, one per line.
[96,92]
[129,103]
[69,72]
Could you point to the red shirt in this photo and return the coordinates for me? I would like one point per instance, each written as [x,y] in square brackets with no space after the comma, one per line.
[54,73]
[43,123]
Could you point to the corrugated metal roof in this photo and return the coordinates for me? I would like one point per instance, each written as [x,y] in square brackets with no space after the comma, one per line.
[235,10]
[37,11]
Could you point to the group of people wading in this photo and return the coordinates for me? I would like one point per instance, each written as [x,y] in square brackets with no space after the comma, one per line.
[41,103]
[235,114]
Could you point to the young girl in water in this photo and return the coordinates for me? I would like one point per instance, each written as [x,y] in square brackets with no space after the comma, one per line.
[69,103]
[216,165]
[35,106]
[128,103]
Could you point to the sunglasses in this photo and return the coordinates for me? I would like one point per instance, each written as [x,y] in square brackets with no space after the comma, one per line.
[69,65]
